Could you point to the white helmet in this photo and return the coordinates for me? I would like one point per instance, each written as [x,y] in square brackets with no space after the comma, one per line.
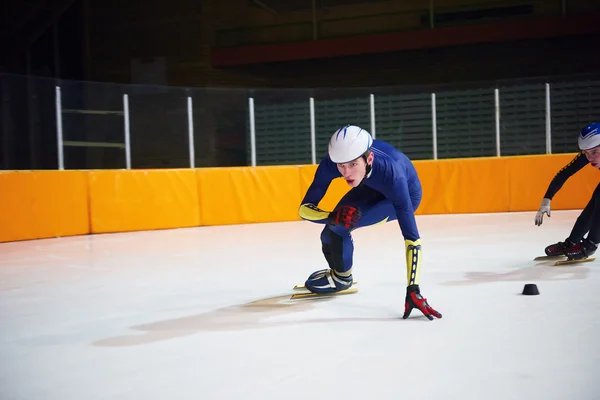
[349,143]
[589,137]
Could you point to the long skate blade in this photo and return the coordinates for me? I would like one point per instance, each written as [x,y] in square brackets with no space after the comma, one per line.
[300,287]
[565,262]
[305,295]
[544,258]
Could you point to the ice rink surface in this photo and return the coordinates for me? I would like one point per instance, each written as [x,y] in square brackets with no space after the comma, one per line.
[204,313]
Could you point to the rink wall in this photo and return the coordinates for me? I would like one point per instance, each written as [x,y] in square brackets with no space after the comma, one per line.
[43,204]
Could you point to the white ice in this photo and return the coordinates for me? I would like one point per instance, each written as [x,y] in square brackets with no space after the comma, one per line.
[204,313]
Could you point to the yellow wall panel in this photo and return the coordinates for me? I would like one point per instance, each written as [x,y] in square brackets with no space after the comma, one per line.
[449,186]
[247,195]
[531,175]
[217,198]
[578,190]
[337,189]
[141,200]
[307,173]
[434,200]
[42,204]
[476,185]
[463,185]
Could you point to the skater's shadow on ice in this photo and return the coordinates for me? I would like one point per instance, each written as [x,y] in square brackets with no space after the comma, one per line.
[540,272]
[250,315]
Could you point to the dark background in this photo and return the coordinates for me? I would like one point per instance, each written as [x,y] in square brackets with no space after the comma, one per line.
[222,49]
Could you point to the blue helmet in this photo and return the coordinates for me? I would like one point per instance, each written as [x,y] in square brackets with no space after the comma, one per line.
[589,137]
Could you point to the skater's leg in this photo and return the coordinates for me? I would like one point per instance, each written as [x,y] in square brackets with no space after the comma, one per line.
[374,209]
[588,246]
[588,221]
[585,221]
[336,240]
[594,222]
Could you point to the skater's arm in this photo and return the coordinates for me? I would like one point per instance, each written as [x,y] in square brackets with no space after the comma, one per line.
[565,173]
[309,210]
[400,196]
[557,183]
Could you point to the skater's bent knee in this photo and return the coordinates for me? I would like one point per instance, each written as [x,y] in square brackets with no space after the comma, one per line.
[339,230]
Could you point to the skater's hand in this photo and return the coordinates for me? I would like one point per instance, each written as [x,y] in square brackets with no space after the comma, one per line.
[544,208]
[311,212]
[345,215]
[415,300]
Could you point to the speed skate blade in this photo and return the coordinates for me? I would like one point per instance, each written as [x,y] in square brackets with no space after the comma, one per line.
[301,287]
[566,262]
[309,294]
[544,258]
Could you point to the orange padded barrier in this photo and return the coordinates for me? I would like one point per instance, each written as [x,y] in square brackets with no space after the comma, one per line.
[530,176]
[141,200]
[335,192]
[43,204]
[58,203]
[505,184]
[463,185]
[449,186]
[247,195]
[481,185]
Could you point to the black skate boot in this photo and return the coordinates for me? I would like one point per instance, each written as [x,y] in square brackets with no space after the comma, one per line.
[581,250]
[590,247]
[559,249]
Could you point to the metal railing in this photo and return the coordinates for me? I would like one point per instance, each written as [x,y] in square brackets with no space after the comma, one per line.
[50,124]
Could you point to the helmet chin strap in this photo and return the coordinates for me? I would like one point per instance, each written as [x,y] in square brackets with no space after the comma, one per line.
[368,169]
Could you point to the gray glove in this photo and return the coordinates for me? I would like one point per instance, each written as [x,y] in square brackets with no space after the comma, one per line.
[544,208]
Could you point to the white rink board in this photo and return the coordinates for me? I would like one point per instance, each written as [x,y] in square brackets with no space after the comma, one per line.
[203,313]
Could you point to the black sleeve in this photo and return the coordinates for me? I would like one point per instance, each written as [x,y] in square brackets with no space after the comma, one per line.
[565,173]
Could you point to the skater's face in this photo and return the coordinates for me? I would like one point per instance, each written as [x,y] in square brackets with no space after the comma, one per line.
[355,170]
[593,156]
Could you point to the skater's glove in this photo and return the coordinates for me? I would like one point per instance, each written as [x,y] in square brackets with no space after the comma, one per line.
[544,209]
[311,212]
[415,300]
[347,216]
